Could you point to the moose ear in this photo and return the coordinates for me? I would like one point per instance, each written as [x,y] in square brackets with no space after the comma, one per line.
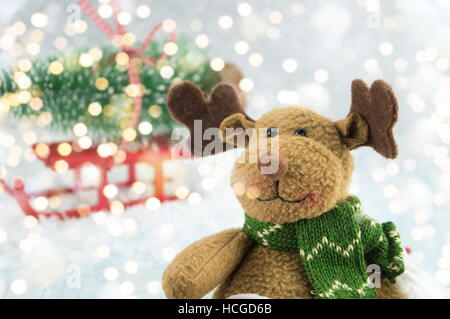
[374,111]
[354,130]
[236,130]
[232,75]
[188,105]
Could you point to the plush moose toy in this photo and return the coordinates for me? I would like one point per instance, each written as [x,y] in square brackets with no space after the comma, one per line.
[304,236]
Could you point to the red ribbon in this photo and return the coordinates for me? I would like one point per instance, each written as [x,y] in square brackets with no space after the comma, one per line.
[135,54]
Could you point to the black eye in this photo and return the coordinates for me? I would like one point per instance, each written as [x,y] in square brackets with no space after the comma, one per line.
[300,132]
[272,132]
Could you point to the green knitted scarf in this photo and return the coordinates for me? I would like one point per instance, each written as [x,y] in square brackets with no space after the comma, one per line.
[336,247]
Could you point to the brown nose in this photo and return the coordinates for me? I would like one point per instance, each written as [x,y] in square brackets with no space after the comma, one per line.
[272,165]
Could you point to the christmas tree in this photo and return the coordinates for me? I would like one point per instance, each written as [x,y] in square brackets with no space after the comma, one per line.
[88,91]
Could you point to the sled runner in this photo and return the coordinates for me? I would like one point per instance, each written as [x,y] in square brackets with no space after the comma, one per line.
[154,154]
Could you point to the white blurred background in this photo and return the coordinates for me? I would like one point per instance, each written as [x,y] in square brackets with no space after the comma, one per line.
[291,52]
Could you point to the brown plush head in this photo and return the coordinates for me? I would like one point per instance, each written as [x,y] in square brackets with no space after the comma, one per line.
[311,153]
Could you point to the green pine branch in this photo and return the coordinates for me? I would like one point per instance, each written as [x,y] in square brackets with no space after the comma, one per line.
[66,96]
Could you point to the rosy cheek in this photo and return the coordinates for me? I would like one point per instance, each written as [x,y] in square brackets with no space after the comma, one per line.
[251,188]
[312,198]
[254,183]
[260,185]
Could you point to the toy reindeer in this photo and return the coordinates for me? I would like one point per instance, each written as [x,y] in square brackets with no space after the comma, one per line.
[304,236]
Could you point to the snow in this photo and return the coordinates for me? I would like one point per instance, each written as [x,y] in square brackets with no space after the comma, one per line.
[107,254]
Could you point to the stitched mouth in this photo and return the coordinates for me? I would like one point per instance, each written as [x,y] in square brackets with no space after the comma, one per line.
[278,196]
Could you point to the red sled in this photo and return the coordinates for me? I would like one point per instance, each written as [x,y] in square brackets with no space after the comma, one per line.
[154,154]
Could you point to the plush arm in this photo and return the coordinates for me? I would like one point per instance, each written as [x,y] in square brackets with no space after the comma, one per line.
[205,264]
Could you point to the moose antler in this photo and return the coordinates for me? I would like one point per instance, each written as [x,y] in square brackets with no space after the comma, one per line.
[187,104]
[378,106]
